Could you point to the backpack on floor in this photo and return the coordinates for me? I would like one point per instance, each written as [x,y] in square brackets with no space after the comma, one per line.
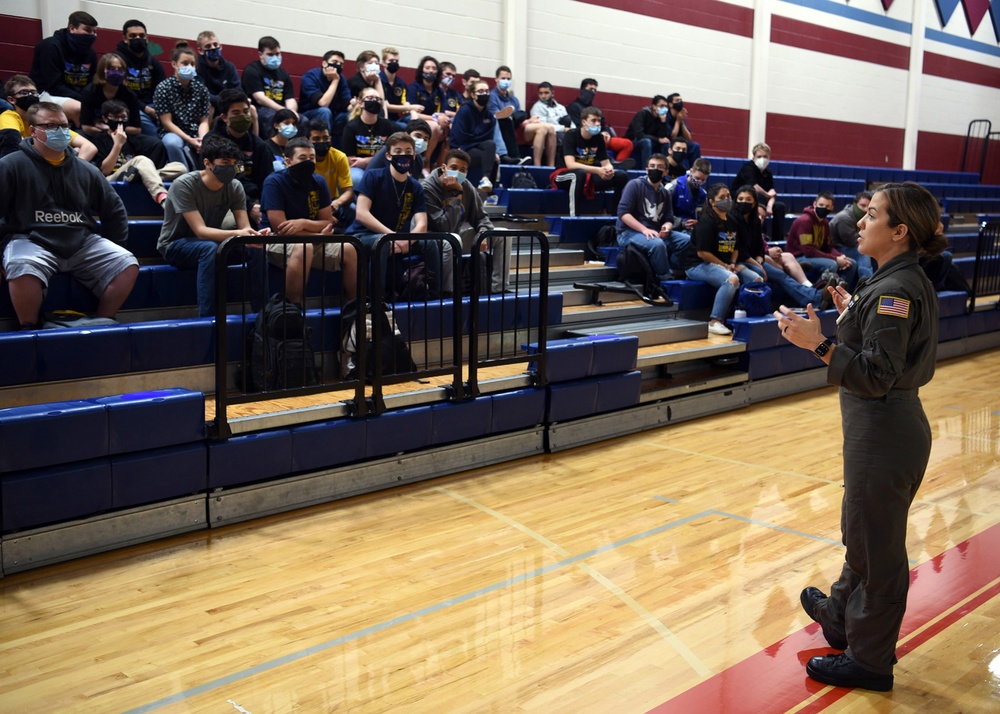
[280,354]
[396,358]
[635,270]
[522,179]
[605,237]
[755,298]
[481,263]
[410,279]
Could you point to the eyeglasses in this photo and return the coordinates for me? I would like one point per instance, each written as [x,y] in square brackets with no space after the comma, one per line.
[49,127]
[26,93]
[482,94]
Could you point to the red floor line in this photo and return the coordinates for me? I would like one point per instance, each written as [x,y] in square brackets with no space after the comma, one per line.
[774,679]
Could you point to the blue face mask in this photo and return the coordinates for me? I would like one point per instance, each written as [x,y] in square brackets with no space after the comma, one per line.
[289,131]
[187,72]
[214,54]
[420,146]
[457,175]
[662,110]
[593,129]
[504,84]
[57,139]
[272,61]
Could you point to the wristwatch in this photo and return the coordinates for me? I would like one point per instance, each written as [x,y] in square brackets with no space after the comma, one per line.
[822,348]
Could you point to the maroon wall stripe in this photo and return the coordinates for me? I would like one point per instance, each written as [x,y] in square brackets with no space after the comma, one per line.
[707,14]
[807,36]
[961,70]
[795,138]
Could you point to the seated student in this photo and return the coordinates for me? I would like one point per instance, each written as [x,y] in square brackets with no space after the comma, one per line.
[845,231]
[755,173]
[325,94]
[467,78]
[646,220]
[622,148]
[451,98]
[181,103]
[753,252]
[454,206]
[197,205]
[675,159]
[284,128]
[332,166]
[142,72]
[391,201]
[809,240]
[712,256]
[426,91]
[688,194]
[120,157]
[234,123]
[21,92]
[677,125]
[548,110]
[648,129]
[296,202]
[62,65]
[583,166]
[520,127]
[367,74]
[421,134]
[108,84]
[366,132]
[473,132]
[267,84]
[214,70]
[394,90]
[47,210]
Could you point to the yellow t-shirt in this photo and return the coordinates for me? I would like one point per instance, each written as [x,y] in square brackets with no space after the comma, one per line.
[336,171]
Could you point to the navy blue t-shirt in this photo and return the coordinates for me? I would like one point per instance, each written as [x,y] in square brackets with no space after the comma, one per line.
[394,203]
[297,201]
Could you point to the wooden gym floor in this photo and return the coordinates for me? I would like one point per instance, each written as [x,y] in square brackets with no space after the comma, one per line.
[657,572]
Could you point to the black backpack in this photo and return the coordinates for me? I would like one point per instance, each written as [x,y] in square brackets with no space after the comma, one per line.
[396,358]
[605,237]
[636,272]
[522,179]
[410,278]
[280,354]
[482,263]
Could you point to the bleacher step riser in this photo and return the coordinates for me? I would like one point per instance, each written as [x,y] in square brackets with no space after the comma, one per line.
[650,333]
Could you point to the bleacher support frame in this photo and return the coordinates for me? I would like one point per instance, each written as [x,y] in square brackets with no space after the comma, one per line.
[986,277]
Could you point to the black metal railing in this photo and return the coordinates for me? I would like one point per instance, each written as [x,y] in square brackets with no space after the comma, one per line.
[986,274]
[977,142]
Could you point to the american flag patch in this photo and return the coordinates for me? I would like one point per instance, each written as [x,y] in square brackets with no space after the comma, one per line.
[888,305]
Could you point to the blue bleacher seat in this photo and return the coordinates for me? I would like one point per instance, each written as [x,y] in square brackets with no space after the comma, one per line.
[328,444]
[614,353]
[399,430]
[159,474]
[77,352]
[461,420]
[689,294]
[249,458]
[38,435]
[952,303]
[955,327]
[18,358]
[136,198]
[566,359]
[142,237]
[57,493]
[172,343]
[149,420]
[618,391]
[520,409]
[572,400]
[578,229]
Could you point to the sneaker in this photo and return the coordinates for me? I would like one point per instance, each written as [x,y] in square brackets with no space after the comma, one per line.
[811,598]
[492,200]
[485,185]
[624,165]
[717,328]
[841,671]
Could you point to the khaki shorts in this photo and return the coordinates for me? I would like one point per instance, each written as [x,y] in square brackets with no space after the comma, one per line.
[326,259]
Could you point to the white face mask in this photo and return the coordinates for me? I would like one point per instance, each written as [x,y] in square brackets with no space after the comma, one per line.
[762,162]
[372,68]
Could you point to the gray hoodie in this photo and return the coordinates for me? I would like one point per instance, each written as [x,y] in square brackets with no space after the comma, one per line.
[449,213]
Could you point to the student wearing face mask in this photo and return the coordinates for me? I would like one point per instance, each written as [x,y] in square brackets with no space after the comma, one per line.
[845,232]
[325,94]
[47,209]
[284,128]
[22,94]
[426,91]
[451,98]
[62,65]
[421,134]
[809,239]
[455,206]
[756,173]
[520,128]
[194,212]
[394,89]
[583,167]
[268,85]
[713,255]
[548,110]
[182,105]
[214,70]
[688,194]
[676,158]
[621,148]
[473,132]
[648,129]
[646,220]
[332,166]
[677,125]
[108,84]
[296,202]
[142,71]
[366,132]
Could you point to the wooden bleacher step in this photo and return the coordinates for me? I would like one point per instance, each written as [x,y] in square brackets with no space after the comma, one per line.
[524,258]
[649,332]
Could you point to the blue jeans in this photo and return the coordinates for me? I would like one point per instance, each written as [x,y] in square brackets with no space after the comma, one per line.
[823,264]
[718,277]
[863,261]
[200,255]
[177,149]
[642,149]
[787,286]
[148,125]
[664,253]
[357,174]
[429,249]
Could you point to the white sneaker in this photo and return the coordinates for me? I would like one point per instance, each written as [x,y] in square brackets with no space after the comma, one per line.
[485,185]
[492,200]
[717,328]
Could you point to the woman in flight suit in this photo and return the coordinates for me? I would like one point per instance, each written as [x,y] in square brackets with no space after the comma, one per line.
[885,350]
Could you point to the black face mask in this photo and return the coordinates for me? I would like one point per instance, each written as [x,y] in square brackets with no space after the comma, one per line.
[79,42]
[392,66]
[678,106]
[373,105]
[337,66]
[430,77]
[744,208]
[27,102]
[822,212]
[401,162]
[482,99]
[302,172]
[322,148]
[550,101]
[113,125]
[586,97]
[137,45]
[678,156]
[655,175]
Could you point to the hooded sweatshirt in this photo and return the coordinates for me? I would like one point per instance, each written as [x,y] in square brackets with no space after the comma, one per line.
[448,212]
[58,70]
[54,206]
[809,236]
[142,73]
